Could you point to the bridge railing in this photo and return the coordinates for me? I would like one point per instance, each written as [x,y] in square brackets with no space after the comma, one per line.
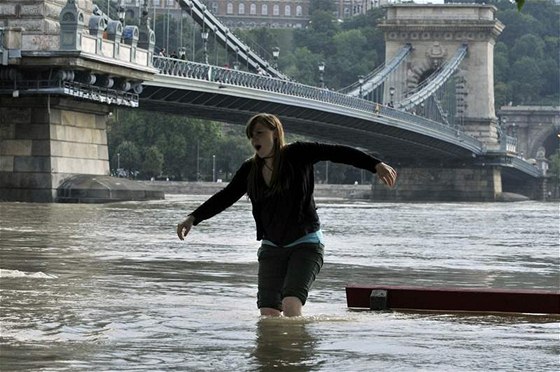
[511,144]
[222,75]
[230,77]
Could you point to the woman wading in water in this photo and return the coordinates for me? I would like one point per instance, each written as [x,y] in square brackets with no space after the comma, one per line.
[279,182]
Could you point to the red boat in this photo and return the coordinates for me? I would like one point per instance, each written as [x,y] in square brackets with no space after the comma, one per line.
[377,297]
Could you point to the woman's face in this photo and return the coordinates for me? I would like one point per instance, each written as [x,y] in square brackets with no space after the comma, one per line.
[262,140]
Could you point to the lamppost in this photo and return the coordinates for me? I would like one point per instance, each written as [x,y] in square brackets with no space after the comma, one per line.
[118,164]
[204,36]
[321,74]
[197,160]
[226,33]
[247,50]
[121,12]
[275,55]
[502,120]
[392,94]
[361,82]
[213,168]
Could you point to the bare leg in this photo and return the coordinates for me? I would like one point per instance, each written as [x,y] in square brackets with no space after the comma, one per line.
[292,306]
[268,311]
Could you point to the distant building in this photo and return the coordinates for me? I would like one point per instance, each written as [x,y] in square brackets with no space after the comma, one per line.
[351,8]
[261,13]
[254,13]
[280,13]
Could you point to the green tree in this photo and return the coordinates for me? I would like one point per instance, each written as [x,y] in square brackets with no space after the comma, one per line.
[127,156]
[321,5]
[526,79]
[304,66]
[153,162]
[517,24]
[554,173]
[231,152]
[528,45]
[178,138]
[352,58]
[550,70]
[502,94]
[501,62]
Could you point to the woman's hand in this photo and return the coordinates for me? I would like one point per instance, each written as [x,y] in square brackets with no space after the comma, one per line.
[386,174]
[184,227]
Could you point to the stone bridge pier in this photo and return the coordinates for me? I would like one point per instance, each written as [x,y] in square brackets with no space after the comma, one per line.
[62,69]
[435,33]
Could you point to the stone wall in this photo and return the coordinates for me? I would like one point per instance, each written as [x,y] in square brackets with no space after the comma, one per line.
[443,184]
[425,184]
[210,188]
[534,127]
[39,19]
[44,140]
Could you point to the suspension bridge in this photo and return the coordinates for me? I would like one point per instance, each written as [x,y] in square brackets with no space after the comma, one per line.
[428,109]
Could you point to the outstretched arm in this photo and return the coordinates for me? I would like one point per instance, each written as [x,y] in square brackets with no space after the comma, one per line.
[220,201]
[386,174]
[346,155]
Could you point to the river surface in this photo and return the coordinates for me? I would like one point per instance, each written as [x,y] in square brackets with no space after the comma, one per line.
[111,288]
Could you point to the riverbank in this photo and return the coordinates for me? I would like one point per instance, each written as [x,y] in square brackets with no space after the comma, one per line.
[210,188]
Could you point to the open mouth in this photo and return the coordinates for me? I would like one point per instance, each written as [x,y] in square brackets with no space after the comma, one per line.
[257,147]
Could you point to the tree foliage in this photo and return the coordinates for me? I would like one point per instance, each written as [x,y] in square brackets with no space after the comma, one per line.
[554,173]
[526,68]
[173,146]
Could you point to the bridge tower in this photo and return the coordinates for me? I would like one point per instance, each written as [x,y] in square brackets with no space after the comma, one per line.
[63,65]
[435,33]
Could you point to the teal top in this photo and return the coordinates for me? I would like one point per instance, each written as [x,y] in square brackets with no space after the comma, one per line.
[314,237]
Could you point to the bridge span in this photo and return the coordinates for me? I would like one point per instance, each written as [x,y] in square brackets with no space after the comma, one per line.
[233,96]
[57,89]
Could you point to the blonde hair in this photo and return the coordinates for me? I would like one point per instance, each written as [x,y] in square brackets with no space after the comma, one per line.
[273,123]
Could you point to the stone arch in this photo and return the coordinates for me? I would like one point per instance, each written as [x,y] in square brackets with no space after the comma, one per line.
[417,72]
[546,138]
[426,63]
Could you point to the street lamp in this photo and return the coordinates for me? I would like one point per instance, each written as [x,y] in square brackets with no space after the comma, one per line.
[391,93]
[204,36]
[197,160]
[361,82]
[213,168]
[121,12]
[247,50]
[226,33]
[321,74]
[275,55]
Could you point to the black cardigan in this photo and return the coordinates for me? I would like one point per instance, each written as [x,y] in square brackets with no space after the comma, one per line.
[285,217]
